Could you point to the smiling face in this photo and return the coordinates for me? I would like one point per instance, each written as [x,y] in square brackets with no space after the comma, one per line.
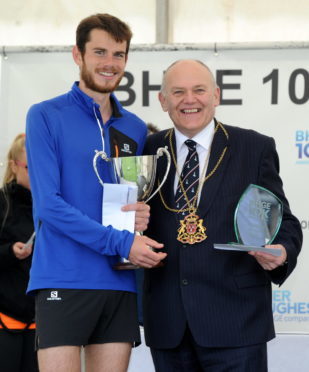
[102,65]
[190,96]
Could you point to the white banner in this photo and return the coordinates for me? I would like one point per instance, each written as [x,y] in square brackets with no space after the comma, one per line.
[263,89]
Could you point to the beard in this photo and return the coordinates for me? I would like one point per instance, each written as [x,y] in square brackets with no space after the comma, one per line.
[92,85]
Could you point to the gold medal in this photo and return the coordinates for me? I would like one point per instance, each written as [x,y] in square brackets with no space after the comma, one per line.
[191,230]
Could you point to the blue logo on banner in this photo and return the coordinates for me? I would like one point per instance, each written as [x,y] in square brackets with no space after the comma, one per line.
[302,145]
[285,310]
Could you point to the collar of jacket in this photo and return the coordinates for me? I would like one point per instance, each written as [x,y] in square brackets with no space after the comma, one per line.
[87,102]
[18,193]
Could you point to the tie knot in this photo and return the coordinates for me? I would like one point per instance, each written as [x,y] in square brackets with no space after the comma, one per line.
[191,144]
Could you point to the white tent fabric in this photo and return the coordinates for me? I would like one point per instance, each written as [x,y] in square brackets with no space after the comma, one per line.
[36,22]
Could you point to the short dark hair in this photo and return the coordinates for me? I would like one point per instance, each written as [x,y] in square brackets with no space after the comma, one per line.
[152,129]
[119,30]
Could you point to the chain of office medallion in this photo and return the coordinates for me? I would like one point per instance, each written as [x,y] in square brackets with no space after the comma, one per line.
[191,208]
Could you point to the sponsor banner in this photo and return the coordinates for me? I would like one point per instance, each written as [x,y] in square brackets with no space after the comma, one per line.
[263,89]
[291,313]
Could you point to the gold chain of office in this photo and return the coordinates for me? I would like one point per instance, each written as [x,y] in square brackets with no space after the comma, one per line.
[191,228]
[201,183]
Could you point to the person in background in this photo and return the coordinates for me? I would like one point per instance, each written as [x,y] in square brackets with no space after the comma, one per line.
[205,309]
[80,299]
[152,129]
[17,327]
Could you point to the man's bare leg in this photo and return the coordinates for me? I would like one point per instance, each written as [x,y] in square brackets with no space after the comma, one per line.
[111,357]
[60,359]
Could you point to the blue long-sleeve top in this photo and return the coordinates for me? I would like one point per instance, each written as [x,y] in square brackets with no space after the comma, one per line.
[73,249]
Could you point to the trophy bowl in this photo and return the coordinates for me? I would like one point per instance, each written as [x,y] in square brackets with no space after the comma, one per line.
[134,170]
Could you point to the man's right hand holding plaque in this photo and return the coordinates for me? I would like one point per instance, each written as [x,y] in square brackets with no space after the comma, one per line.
[257,220]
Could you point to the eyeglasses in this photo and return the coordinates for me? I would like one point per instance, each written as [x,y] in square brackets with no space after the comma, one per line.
[21,164]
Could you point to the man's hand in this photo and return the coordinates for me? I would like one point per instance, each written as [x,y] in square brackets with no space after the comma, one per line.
[141,253]
[142,214]
[22,250]
[268,261]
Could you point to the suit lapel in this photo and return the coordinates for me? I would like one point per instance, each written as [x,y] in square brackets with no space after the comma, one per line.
[211,185]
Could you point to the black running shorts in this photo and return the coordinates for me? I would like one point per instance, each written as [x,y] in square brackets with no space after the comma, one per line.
[83,317]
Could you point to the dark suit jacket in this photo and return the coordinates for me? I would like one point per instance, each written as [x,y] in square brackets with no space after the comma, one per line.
[225,297]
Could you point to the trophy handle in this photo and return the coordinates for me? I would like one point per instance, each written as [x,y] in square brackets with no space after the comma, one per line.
[161,151]
[103,156]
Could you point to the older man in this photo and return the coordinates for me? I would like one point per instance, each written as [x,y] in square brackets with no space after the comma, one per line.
[210,310]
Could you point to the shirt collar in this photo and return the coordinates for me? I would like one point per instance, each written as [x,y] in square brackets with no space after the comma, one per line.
[203,138]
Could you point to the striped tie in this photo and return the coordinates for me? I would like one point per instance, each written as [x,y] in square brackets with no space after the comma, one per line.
[189,177]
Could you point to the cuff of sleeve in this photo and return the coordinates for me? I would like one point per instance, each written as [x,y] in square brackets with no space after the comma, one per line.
[125,248]
[7,255]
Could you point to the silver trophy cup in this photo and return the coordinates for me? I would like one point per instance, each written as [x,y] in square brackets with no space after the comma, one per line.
[134,170]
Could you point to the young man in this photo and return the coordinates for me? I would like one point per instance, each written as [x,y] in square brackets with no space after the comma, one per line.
[210,310]
[80,298]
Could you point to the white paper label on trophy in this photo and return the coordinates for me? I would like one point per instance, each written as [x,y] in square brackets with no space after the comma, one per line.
[114,197]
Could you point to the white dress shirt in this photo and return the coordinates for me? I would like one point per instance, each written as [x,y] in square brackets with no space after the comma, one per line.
[203,140]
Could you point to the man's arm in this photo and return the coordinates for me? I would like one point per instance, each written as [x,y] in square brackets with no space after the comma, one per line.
[50,208]
[289,237]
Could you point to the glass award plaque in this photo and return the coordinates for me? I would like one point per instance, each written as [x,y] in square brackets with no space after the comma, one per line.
[257,220]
